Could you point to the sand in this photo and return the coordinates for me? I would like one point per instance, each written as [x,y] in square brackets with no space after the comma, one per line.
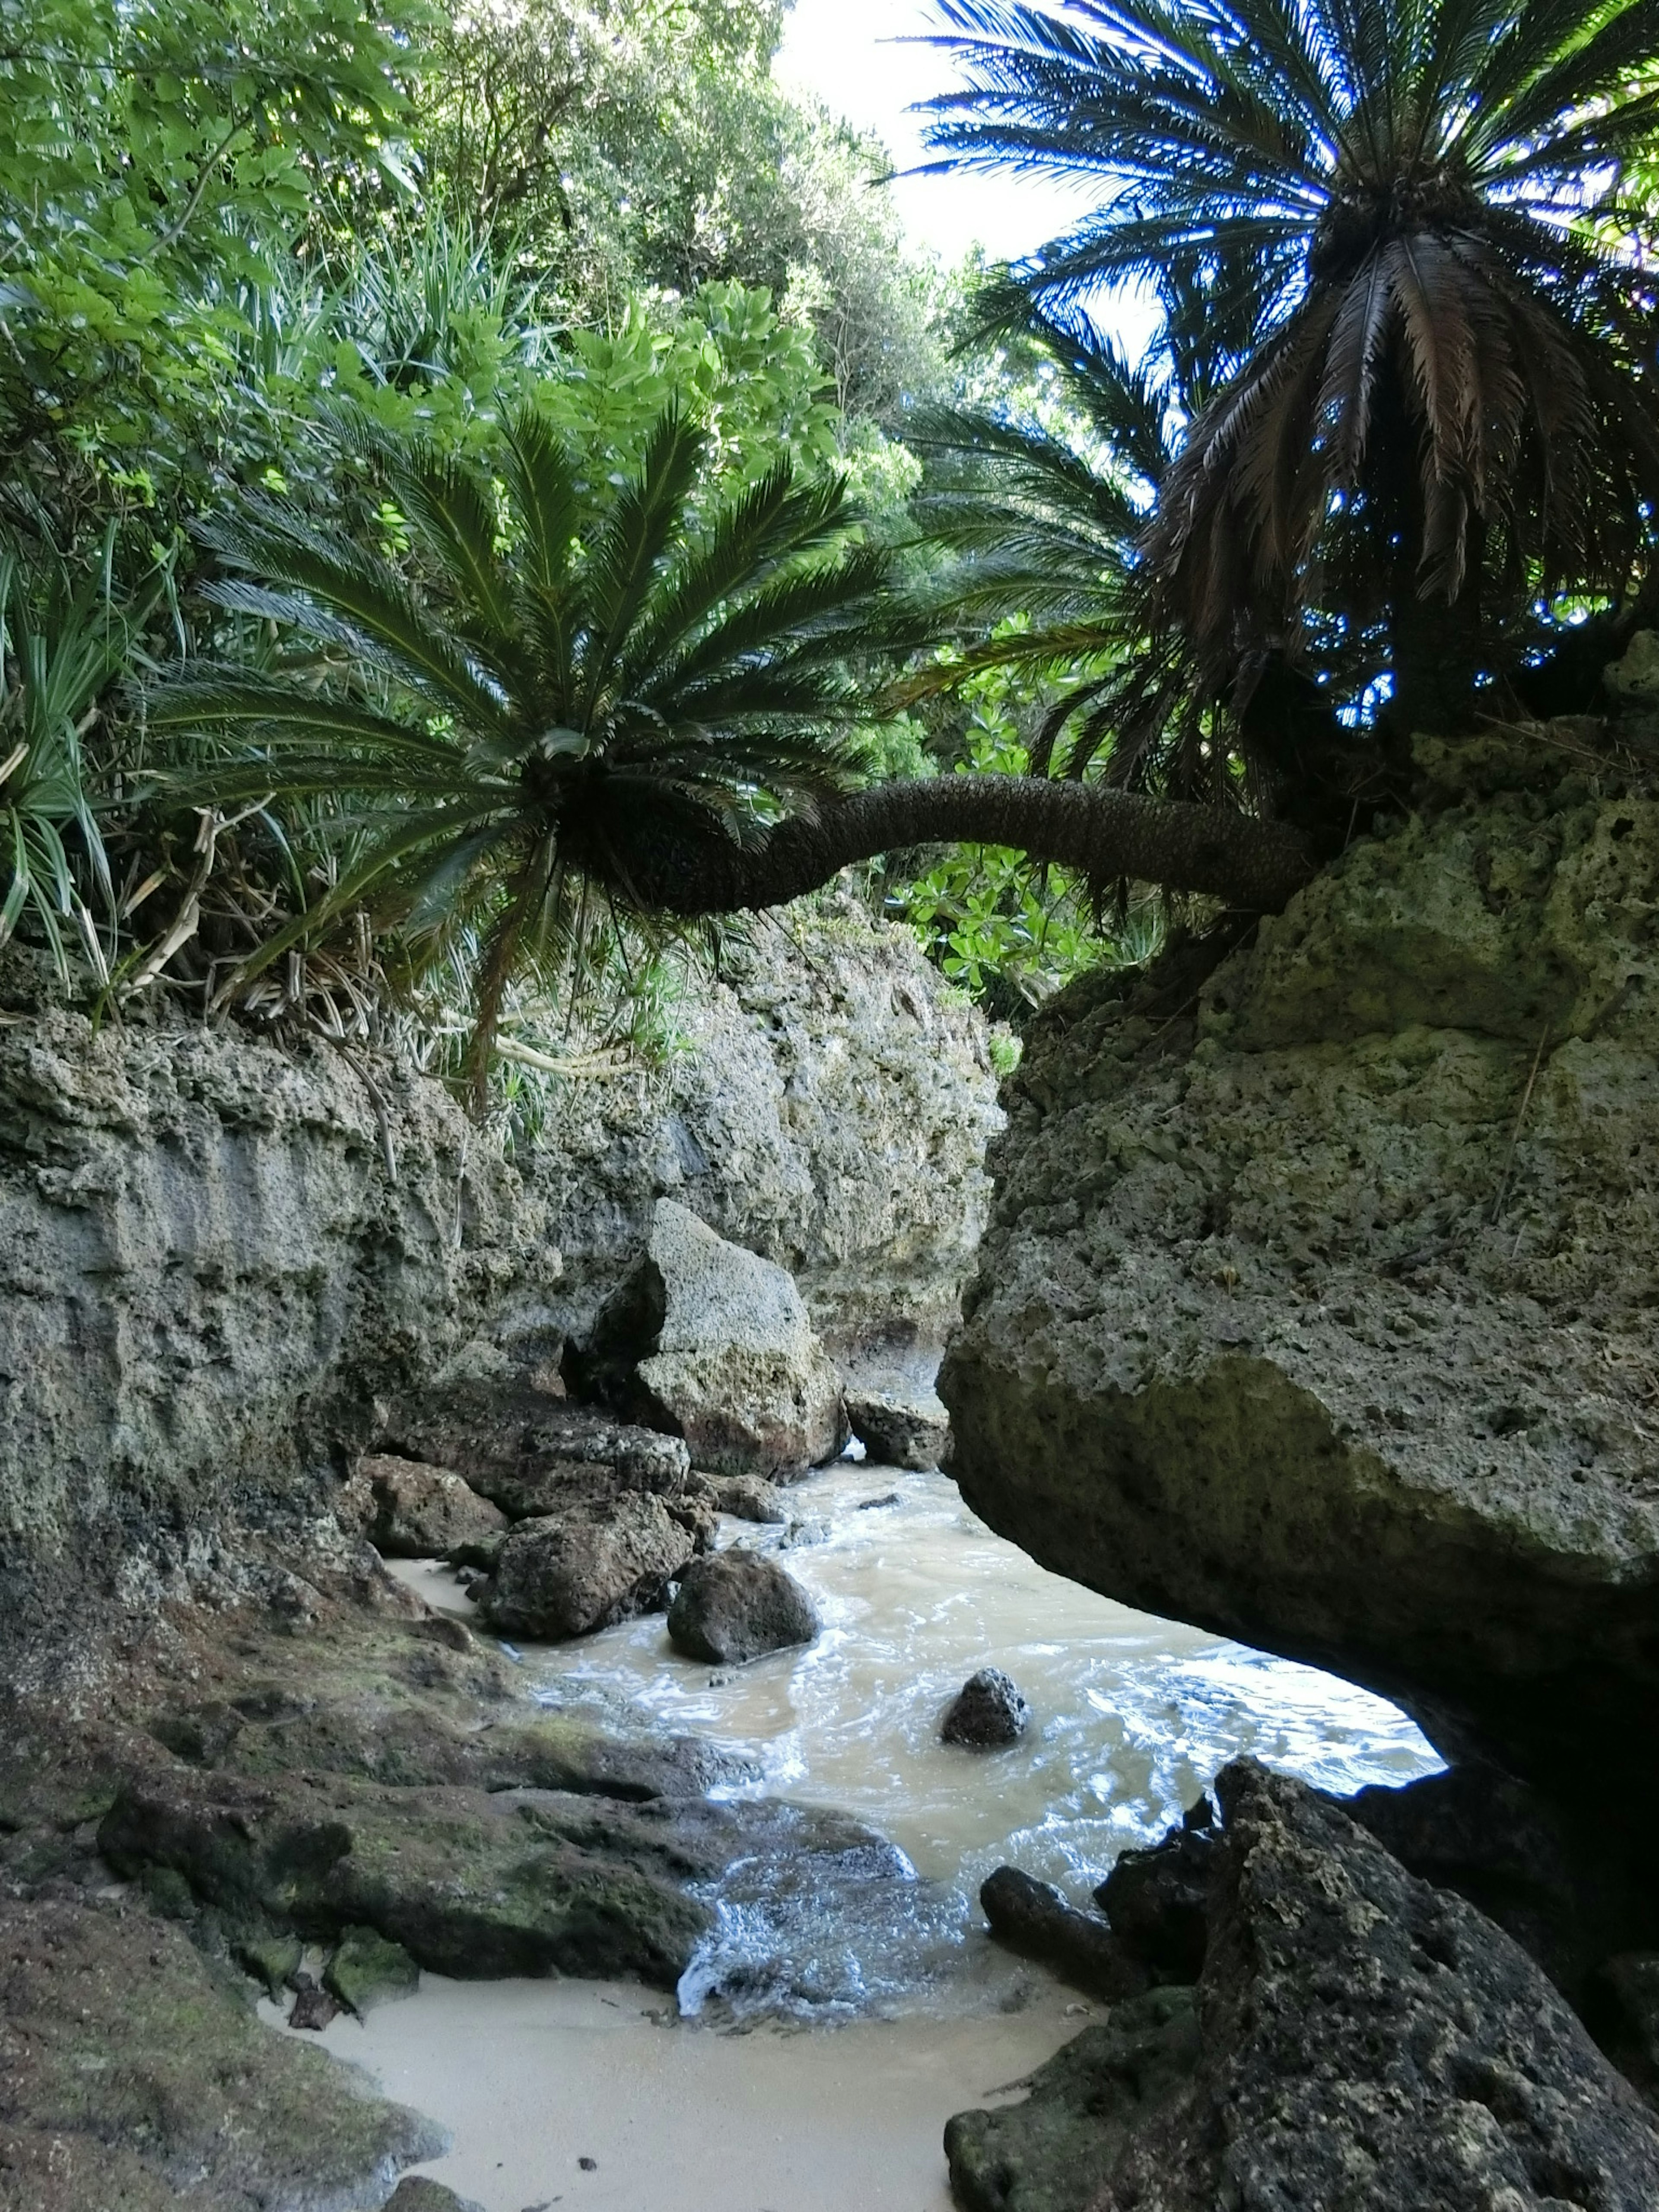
[531,2077]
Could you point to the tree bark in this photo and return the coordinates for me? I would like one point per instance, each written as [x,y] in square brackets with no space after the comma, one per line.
[1105,834]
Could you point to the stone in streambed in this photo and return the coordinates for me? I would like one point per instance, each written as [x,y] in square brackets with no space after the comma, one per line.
[987,1710]
[603,1560]
[1157,1900]
[738,1605]
[910,1431]
[365,1970]
[424,1512]
[418,2192]
[1033,1918]
[714,1343]
[748,1497]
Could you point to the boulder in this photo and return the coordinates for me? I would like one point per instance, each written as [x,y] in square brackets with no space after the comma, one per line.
[739,1605]
[713,1343]
[424,1512]
[1359,2039]
[987,1710]
[1033,1918]
[418,2192]
[1317,1310]
[1158,1901]
[604,1559]
[365,1970]
[747,1498]
[897,1429]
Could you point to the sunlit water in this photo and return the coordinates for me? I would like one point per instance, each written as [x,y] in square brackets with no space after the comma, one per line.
[1131,1718]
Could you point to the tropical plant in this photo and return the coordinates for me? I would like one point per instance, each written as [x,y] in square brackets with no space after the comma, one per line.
[1448,413]
[578,717]
[506,744]
[62,644]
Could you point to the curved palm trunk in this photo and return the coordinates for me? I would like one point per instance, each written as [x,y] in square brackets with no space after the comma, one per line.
[1105,834]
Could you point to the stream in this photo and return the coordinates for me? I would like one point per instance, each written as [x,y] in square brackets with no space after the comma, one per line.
[1131,1717]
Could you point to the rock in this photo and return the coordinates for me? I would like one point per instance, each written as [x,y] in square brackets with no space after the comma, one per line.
[1359,2040]
[417,2192]
[467,1883]
[739,1605]
[713,1342]
[1033,1918]
[272,1959]
[602,1560]
[365,1970]
[987,1710]
[898,1431]
[1055,2151]
[1630,2014]
[202,1735]
[1636,676]
[1157,1900]
[425,1512]
[314,2007]
[830,1111]
[1317,1309]
[128,2064]
[746,1497]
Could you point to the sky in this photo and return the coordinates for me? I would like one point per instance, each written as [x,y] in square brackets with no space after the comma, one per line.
[851,54]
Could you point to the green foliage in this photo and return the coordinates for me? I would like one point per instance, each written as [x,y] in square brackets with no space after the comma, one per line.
[158,154]
[61,645]
[1006,935]
[569,679]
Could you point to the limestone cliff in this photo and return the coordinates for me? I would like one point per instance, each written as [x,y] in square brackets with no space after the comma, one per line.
[1318,1306]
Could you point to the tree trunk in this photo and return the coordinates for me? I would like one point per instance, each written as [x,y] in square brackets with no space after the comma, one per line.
[672,869]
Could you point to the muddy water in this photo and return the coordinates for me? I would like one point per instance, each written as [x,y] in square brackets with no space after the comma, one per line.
[1131,1718]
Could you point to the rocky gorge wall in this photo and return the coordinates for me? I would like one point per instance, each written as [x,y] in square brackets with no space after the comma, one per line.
[223,1262]
[1317,1308]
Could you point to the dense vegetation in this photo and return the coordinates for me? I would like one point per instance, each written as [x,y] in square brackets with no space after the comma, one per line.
[485,490]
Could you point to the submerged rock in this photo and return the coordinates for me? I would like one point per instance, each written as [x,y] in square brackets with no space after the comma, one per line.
[900,1430]
[1033,1918]
[713,1342]
[601,1559]
[1359,2039]
[987,1710]
[1317,1310]
[739,1605]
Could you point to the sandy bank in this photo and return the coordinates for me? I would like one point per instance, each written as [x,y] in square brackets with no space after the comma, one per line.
[531,2077]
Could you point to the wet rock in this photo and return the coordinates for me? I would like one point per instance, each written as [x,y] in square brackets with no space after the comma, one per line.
[424,1512]
[1055,2151]
[418,2192]
[1359,2039]
[713,1342]
[468,1883]
[987,1710]
[900,1430]
[128,2064]
[314,2007]
[1157,1900]
[365,1970]
[747,1498]
[739,1605]
[602,1560]
[202,1735]
[1317,1309]
[1033,1918]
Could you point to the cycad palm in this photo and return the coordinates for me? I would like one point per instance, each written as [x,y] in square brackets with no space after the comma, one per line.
[511,740]
[1454,361]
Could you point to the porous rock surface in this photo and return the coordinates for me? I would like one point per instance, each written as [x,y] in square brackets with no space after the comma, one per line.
[987,1710]
[1318,1307]
[1357,2041]
[713,1343]
[830,1112]
[599,1559]
[899,1428]
[416,1512]
[207,1277]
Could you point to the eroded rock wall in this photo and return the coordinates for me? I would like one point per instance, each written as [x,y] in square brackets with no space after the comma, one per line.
[1318,1307]
[831,1113]
[207,1277]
